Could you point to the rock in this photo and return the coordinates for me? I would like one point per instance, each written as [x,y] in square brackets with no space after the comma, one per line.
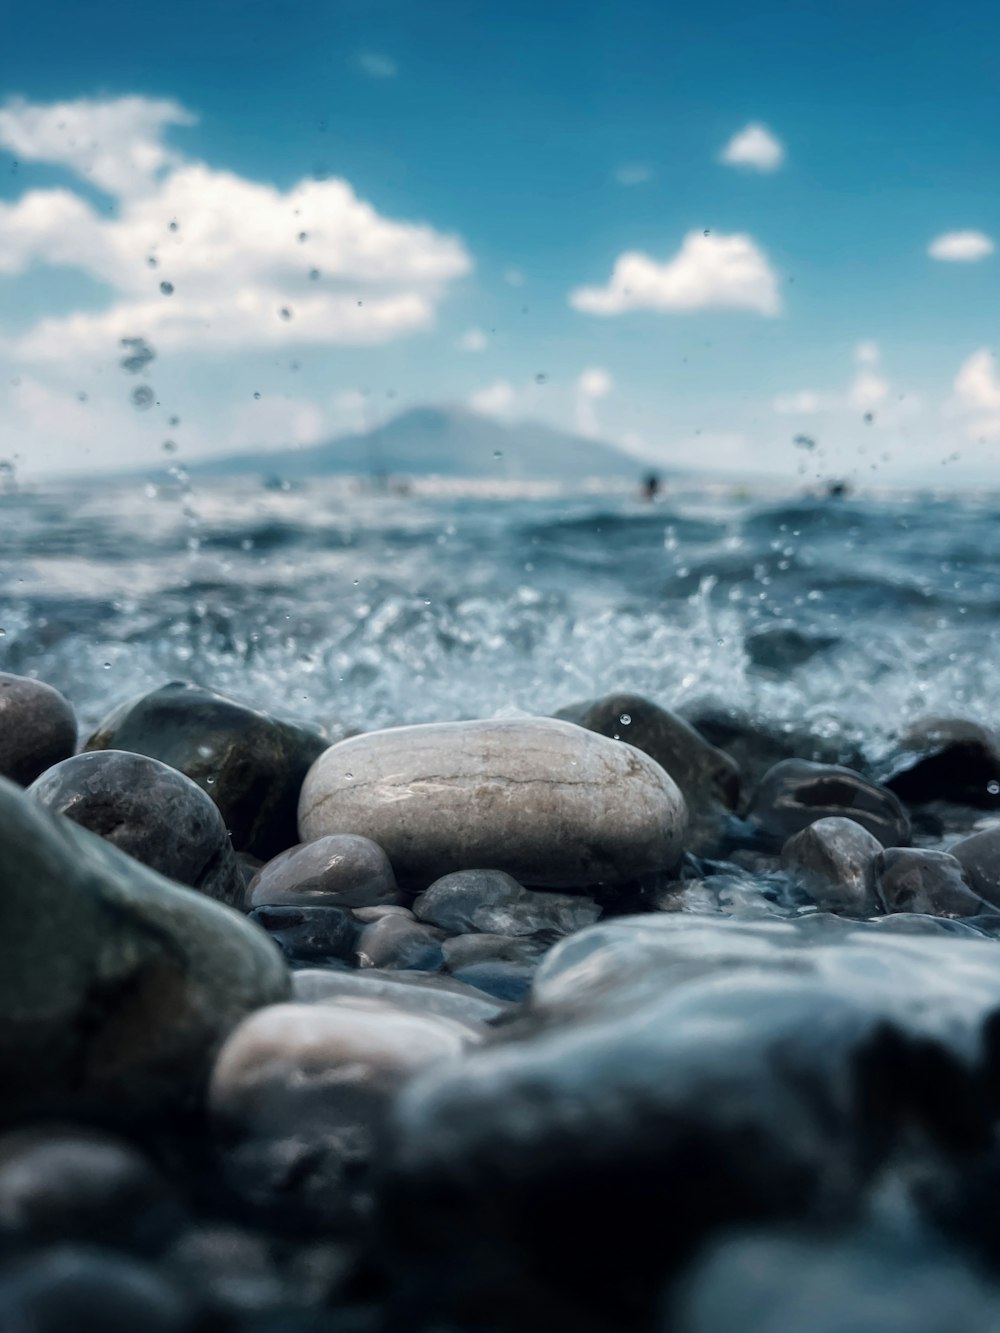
[862,1283]
[834,861]
[250,763]
[946,759]
[777,650]
[908,880]
[549,803]
[416,992]
[37,728]
[367,914]
[795,793]
[338,871]
[310,934]
[117,986]
[300,1093]
[150,811]
[74,1287]
[494,902]
[979,857]
[395,942]
[708,778]
[463,950]
[508,981]
[66,1183]
[752,1073]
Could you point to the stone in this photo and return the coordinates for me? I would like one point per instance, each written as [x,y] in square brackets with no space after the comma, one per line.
[708,778]
[912,880]
[250,763]
[548,802]
[37,728]
[367,914]
[834,861]
[508,981]
[310,934]
[946,759]
[150,811]
[300,1094]
[777,650]
[462,951]
[338,871]
[73,1287]
[796,793]
[494,902]
[416,992]
[979,857]
[117,986]
[68,1183]
[395,942]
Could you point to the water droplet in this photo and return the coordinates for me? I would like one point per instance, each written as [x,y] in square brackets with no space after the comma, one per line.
[210,781]
[142,397]
[107,666]
[81,397]
[541,377]
[174,225]
[169,447]
[707,231]
[167,288]
[498,453]
[257,395]
[625,719]
[3,632]
[285,313]
[174,421]
[349,776]
[869,418]
[314,274]
[992,787]
[303,236]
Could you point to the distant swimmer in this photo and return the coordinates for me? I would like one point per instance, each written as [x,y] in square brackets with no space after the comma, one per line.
[650,486]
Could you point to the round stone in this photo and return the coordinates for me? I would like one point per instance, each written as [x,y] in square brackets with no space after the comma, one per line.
[342,870]
[546,801]
[912,880]
[834,860]
[150,811]
[37,728]
[491,901]
[796,793]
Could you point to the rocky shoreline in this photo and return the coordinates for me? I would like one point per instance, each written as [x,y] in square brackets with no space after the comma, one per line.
[614,1021]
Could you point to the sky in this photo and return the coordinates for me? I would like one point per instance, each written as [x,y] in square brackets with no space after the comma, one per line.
[753,238]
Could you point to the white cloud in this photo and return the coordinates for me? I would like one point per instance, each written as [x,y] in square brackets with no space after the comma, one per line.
[755,147]
[495,400]
[633,173]
[593,384]
[376,65]
[868,391]
[867,353]
[961,246]
[247,265]
[472,340]
[513,277]
[976,397]
[708,272]
[803,403]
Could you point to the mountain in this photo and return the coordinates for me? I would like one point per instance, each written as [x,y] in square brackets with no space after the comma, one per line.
[440,441]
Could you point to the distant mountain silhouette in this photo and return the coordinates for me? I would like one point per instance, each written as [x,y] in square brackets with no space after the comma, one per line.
[440,441]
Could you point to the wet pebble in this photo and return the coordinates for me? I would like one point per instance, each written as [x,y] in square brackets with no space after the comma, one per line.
[310,934]
[150,811]
[834,860]
[796,793]
[946,759]
[37,728]
[493,902]
[416,992]
[337,871]
[912,880]
[394,942]
[979,857]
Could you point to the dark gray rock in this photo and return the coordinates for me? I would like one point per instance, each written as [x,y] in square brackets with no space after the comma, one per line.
[341,870]
[796,793]
[310,934]
[494,902]
[866,1283]
[979,857]
[150,811]
[911,880]
[117,986]
[751,1073]
[834,861]
[946,759]
[394,942]
[708,778]
[37,728]
[250,763]
[66,1183]
[74,1287]
[777,650]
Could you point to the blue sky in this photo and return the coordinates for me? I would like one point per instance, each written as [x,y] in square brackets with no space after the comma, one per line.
[467,170]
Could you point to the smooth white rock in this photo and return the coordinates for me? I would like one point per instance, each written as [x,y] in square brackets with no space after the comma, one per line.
[550,803]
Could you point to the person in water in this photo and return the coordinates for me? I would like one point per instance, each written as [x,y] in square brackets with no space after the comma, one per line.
[650,486]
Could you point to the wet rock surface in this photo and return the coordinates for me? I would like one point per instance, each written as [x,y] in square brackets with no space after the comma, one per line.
[37,728]
[834,858]
[908,880]
[494,902]
[795,793]
[548,802]
[250,763]
[150,811]
[339,871]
